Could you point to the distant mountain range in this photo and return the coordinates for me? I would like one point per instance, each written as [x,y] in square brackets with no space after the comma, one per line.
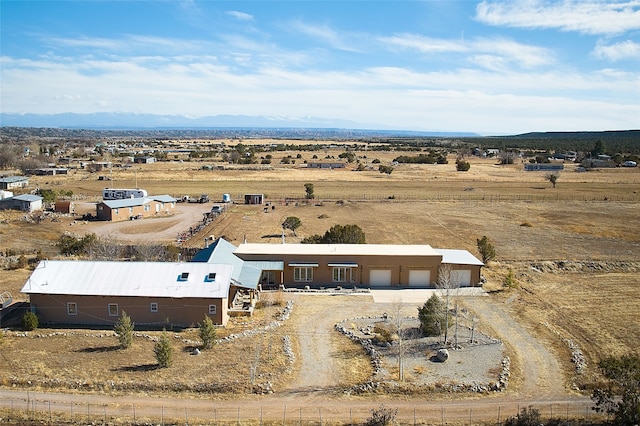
[130,121]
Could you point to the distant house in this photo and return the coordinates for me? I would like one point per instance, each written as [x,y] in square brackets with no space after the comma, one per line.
[326,165]
[25,202]
[135,208]
[543,167]
[144,160]
[49,171]
[13,182]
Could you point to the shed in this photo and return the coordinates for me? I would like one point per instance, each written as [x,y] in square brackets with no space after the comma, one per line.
[253,198]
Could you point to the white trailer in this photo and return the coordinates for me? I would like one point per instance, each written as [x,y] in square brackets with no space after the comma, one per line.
[122,194]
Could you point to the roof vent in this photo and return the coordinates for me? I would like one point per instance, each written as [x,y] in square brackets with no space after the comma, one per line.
[183,276]
[211,276]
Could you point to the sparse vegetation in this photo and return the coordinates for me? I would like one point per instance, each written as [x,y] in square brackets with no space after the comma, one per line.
[382,416]
[338,234]
[620,397]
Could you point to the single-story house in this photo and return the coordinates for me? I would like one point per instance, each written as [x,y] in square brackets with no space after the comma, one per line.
[25,202]
[153,294]
[326,165]
[543,167]
[135,208]
[360,265]
[144,160]
[49,171]
[12,182]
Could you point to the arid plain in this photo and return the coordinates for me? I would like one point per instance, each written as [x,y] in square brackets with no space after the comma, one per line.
[574,250]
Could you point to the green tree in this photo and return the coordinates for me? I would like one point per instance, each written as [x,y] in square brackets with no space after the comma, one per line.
[342,234]
[48,195]
[124,330]
[462,166]
[385,169]
[621,396]
[553,178]
[70,245]
[292,223]
[598,149]
[349,156]
[308,189]
[382,416]
[207,332]
[163,350]
[432,316]
[30,321]
[486,249]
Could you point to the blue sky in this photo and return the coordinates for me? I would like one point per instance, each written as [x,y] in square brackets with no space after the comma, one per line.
[492,66]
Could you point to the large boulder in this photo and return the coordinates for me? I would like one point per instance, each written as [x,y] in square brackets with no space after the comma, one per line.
[442,355]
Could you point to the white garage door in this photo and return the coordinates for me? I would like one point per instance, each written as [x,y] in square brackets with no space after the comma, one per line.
[380,277]
[462,277]
[419,278]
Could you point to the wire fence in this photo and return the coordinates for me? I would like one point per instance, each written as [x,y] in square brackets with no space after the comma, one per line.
[252,412]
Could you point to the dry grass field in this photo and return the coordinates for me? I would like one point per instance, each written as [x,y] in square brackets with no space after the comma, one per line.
[590,217]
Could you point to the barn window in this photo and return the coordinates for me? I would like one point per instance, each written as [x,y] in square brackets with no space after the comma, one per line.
[153,307]
[183,276]
[113,309]
[211,276]
[303,274]
[72,308]
[212,309]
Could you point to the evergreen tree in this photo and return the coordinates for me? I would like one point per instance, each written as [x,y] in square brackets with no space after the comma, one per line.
[432,316]
[208,333]
[124,330]
[163,350]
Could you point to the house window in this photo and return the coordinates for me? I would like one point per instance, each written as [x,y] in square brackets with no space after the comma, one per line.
[153,307]
[342,274]
[212,309]
[115,211]
[303,274]
[72,308]
[113,309]
[147,207]
[268,278]
[130,209]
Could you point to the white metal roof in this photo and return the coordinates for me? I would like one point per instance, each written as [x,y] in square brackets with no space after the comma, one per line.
[337,249]
[459,257]
[151,279]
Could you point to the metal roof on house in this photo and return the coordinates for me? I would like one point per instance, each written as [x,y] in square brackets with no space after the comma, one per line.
[126,202]
[459,257]
[13,179]
[338,249]
[28,197]
[163,198]
[142,279]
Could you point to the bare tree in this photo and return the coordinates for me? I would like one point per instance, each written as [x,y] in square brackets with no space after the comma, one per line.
[449,283]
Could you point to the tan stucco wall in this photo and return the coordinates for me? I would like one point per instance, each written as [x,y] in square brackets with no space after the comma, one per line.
[124,213]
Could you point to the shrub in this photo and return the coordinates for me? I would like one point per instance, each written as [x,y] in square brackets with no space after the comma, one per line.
[462,166]
[163,350]
[383,334]
[208,333]
[486,249]
[432,316]
[382,416]
[528,416]
[30,321]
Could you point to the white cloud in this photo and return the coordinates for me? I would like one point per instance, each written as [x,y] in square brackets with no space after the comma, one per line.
[614,52]
[325,34]
[491,53]
[584,16]
[466,99]
[241,16]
